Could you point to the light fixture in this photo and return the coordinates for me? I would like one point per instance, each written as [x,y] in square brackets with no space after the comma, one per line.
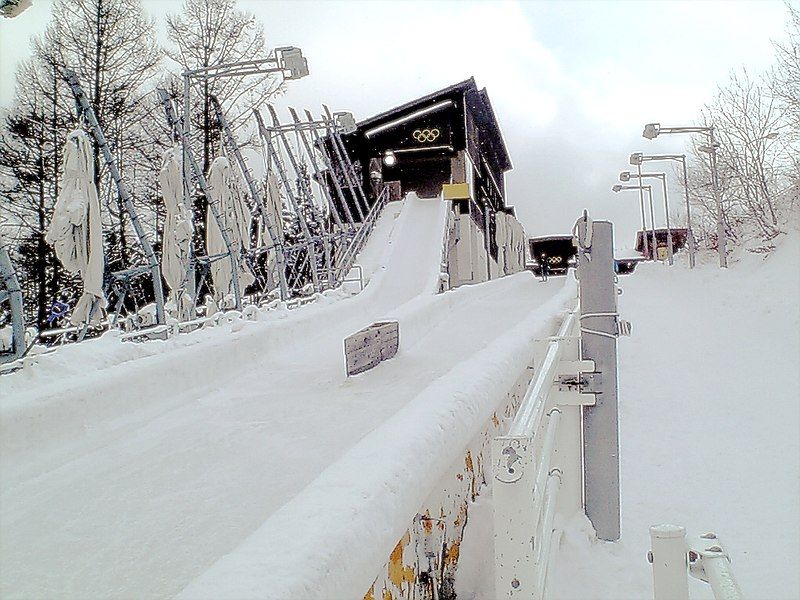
[625,176]
[616,188]
[635,158]
[651,130]
[389,158]
[291,59]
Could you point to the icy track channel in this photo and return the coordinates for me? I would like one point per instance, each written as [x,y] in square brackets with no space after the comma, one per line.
[167,468]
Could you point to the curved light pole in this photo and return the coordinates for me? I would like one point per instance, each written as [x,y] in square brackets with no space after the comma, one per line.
[627,175]
[637,158]
[653,130]
[649,190]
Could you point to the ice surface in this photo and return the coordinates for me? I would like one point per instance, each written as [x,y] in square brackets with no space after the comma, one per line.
[131,470]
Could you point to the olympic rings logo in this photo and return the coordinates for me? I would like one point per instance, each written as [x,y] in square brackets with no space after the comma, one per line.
[426,135]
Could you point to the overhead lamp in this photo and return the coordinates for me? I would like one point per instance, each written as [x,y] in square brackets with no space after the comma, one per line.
[389,158]
[651,130]
[346,122]
[625,176]
[291,59]
[635,158]
[616,188]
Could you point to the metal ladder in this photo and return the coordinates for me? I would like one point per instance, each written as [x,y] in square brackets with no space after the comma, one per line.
[86,111]
[178,130]
[230,143]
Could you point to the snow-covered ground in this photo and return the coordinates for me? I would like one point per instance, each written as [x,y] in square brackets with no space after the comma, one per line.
[129,470]
[710,433]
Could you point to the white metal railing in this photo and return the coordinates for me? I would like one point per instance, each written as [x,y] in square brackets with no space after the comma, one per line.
[537,466]
[705,558]
[561,452]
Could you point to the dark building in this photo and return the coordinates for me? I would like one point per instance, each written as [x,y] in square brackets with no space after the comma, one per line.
[447,143]
[450,136]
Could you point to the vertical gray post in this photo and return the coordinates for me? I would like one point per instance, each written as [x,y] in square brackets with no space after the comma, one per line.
[14,293]
[598,310]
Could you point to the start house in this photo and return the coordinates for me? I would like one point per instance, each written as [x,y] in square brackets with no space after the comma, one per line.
[448,146]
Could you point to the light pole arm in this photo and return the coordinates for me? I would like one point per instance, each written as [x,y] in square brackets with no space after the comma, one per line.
[706,130]
[651,157]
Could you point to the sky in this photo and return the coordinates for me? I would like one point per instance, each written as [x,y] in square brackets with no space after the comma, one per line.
[572,83]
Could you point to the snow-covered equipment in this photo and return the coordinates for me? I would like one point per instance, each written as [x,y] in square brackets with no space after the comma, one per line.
[235,218]
[121,281]
[232,147]
[76,229]
[12,337]
[178,230]
[179,132]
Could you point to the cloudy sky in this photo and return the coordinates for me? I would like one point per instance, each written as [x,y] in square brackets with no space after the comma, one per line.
[572,82]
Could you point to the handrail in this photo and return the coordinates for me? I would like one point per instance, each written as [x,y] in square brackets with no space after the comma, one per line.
[536,466]
[531,409]
[706,560]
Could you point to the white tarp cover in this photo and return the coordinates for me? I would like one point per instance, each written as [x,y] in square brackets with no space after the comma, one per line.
[178,231]
[236,218]
[76,231]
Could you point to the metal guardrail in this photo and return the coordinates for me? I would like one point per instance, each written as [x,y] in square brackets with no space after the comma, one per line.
[537,467]
[561,452]
[673,560]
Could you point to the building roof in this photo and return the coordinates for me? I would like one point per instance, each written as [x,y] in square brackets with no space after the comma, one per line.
[483,113]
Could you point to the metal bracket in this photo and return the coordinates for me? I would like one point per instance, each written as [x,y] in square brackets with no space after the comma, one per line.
[577,383]
[584,383]
[706,547]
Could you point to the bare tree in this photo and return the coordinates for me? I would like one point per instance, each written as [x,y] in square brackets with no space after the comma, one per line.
[214,32]
[754,162]
[111,46]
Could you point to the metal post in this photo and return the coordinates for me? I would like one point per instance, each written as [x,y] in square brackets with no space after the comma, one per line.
[14,296]
[690,233]
[191,284]
[722,242]
[670,250]
[669,557]
[598,302]
[653,245]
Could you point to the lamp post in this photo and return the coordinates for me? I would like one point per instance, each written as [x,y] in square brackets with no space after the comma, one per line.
[649,190]
[637,158]
[627,175]
[653,130]
[287,60]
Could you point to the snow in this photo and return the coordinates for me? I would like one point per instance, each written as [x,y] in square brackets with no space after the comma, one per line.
[709,429]
[164,462]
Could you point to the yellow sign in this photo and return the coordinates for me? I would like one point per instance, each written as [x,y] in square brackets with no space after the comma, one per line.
[456,191]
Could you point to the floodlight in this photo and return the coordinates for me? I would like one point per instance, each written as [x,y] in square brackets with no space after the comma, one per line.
[625,176]
[651,130]
[346,122]
[389,159]
[635,158]
[291,59]
[616,188]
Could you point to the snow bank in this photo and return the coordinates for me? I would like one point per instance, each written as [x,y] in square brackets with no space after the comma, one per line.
[333,538]
[710,427]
